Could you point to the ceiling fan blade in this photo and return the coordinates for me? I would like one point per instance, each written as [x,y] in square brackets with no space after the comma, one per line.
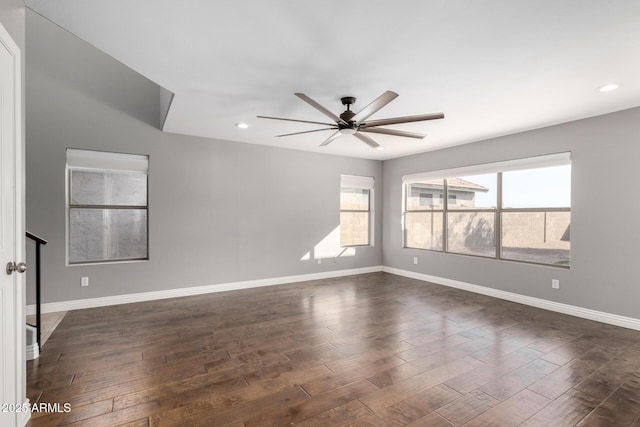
[374,106]
[294,120]
[366,139]
[320,108]
[394,132]
[306,131]
[335,135]
[398,120]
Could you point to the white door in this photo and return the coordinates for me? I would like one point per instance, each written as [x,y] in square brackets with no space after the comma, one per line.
[12,370]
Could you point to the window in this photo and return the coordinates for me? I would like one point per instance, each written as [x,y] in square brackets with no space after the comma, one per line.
[536,218]
[107,207]
[423,223]
[471,214]
[355,210]
[518,210]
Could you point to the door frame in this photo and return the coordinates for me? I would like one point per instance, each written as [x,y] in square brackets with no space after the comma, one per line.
[19,349]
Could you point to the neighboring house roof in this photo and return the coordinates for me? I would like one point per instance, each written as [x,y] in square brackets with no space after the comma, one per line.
[453,183]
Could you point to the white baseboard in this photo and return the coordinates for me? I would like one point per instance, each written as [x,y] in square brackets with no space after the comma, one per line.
[197,290]
[24,417]
[33,351]
[585,313]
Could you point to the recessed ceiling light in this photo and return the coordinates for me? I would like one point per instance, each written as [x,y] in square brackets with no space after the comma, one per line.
[609,87]
[379,148]
[242,125]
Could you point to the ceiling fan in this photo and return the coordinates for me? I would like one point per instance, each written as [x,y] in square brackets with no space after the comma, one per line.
[350,123]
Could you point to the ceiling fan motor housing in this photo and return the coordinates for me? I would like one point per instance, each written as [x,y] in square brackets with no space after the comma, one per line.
[347,116]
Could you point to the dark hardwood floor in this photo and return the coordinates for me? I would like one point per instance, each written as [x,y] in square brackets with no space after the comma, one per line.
[367,350]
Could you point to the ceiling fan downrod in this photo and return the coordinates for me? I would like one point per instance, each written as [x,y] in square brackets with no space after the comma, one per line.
[347,116]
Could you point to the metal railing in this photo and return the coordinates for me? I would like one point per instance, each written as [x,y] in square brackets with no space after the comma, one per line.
[39,242]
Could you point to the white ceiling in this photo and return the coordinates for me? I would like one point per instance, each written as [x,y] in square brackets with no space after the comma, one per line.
[494,67]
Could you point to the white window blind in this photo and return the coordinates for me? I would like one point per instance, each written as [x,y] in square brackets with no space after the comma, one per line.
[353,181]
[85,159]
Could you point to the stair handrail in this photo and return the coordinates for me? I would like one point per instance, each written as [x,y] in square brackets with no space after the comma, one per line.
[39,242]
[37,239]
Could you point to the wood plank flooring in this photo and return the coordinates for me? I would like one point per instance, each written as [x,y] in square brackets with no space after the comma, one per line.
[367,350]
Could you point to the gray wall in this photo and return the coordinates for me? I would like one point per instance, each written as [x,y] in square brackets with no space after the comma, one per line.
[604,227]
[209,224]
[12,18]
[219,211]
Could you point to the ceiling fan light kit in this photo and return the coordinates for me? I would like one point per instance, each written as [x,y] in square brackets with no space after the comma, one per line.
[347,131]
[350,123]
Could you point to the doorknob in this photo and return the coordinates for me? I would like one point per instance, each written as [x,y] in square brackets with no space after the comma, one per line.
[20,267]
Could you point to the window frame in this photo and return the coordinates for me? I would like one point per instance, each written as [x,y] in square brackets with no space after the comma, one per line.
[359,183]
[460,209]
[69,206]
[432,209]
[498,168]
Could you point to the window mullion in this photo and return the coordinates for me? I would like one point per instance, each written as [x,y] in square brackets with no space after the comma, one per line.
[107,207]
[445,215]
[498,219]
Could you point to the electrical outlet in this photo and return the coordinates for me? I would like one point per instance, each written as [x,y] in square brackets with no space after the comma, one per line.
[319,260]
[84,281]
[415,259]
[555,283]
